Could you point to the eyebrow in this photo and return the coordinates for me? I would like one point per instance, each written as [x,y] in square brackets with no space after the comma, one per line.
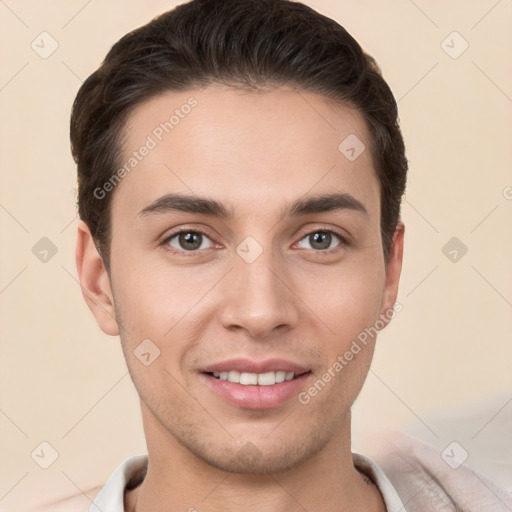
[170,203]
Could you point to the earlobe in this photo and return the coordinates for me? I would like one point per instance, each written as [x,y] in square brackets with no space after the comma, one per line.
[393,271]
[94,281]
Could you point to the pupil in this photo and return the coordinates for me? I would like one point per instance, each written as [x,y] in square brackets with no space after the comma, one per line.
[190,240]
[323,238]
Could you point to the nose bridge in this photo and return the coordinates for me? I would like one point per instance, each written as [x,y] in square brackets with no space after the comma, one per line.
[256,297]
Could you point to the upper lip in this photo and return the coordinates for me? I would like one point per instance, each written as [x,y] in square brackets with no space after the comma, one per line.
[251,366]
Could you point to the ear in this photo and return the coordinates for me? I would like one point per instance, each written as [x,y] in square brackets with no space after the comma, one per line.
[393,271]
[94,281]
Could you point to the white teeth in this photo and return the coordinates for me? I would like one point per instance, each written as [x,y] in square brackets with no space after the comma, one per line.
[280,376]
[267,379]
[252,379]
[249,378]
[233,376]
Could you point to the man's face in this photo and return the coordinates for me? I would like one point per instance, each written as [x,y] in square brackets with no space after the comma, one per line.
[260,290]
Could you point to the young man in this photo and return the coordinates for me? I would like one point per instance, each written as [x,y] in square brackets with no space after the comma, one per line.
[240,170]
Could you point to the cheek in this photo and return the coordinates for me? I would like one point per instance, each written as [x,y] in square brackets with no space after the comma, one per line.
[161,303]
[347,300]
[154,305]
[349,308]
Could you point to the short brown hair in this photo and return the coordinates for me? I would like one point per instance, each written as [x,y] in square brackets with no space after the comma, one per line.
[244,43]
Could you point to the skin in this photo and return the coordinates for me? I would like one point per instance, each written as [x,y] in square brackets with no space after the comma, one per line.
[255,153]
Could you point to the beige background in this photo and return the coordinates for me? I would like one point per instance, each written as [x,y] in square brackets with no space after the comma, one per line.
[448,352]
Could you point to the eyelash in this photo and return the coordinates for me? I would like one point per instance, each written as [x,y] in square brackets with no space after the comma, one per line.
[165,242]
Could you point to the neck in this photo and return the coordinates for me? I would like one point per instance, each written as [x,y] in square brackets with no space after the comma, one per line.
[176,478]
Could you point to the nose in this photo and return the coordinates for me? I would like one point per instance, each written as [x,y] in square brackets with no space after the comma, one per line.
[258,297]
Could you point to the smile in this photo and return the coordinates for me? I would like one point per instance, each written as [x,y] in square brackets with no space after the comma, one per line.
[259,379]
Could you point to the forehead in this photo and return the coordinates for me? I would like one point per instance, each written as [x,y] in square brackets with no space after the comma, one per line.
[244,148]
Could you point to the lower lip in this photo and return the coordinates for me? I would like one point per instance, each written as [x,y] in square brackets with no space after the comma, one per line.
[256,397]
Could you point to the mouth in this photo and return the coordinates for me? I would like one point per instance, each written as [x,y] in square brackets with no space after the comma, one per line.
[256,385]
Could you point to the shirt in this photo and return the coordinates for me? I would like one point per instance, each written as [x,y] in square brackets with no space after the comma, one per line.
[411,475]
[131,471]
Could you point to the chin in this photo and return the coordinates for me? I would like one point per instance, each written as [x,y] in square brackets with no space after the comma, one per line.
[261,457]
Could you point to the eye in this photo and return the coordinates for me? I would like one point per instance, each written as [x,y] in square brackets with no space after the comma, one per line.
[188,240]
[321,240]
